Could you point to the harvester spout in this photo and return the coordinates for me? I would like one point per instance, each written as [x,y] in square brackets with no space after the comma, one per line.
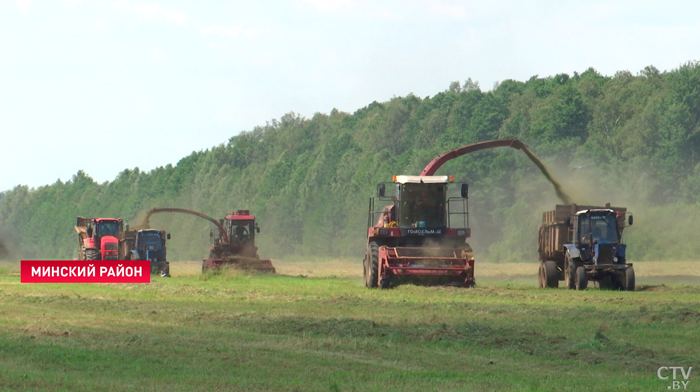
[440,160]
[222,230]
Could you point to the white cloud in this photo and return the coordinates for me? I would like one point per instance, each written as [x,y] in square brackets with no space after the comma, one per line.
[364,9]
[71,3]
[22,4]
[265,58]
[152,11]
[332,6]
[229,31]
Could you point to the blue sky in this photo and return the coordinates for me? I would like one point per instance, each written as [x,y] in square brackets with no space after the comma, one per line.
[108,85]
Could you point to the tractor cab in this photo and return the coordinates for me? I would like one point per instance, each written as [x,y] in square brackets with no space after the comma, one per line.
[598,235]
[106,234]
[150,245]
[108,227]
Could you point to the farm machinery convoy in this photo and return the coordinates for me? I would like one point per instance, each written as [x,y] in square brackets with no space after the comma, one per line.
[418,235]
[110,239]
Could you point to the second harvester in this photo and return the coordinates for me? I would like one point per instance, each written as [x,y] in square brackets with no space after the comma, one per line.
[421,236]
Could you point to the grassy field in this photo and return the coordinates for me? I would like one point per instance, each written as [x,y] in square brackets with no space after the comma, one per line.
[316,328]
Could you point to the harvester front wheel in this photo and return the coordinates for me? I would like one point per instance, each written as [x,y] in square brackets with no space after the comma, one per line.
[629,279]
[372,265]
[91,254]
[581,278]
[550,274]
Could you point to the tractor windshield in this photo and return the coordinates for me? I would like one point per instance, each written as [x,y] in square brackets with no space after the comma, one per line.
[602,227]
[152,240]
[107,228]
[422,205]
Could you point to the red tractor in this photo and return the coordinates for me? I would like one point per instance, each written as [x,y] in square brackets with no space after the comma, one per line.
[103,239]
[421,236]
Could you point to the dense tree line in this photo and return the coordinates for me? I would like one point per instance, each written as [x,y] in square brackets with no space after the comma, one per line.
[632,140]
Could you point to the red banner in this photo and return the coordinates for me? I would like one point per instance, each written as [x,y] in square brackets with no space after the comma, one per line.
[82,271]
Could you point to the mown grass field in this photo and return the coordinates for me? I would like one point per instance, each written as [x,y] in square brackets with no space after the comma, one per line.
[316,328]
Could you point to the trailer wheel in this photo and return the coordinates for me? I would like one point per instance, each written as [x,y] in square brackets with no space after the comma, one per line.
[569,274]
[551,274]
[581,278]
[91,254]
[372,265]
[629,279]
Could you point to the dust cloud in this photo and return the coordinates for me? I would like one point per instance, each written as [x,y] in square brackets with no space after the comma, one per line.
[563,196]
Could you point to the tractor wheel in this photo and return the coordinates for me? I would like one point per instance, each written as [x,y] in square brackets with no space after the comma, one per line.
[629,279]
[372,266]
[166,270]
[550,277]
[581,278]
[569,274]
[92,254]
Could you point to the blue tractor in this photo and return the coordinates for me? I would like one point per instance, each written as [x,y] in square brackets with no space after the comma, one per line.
[150,245]
[578,244]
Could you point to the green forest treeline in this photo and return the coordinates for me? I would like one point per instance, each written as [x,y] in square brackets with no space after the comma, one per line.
[632,140]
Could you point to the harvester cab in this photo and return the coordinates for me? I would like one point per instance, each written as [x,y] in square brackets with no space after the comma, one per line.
[99,238]
[241,229]
[150,245]
[421,236]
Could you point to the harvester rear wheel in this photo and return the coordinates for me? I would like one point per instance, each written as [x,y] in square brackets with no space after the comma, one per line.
[91,254]
[550,272]
[629,279]
[372,265]
[581,278]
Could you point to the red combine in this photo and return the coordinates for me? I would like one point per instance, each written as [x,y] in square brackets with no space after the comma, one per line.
[103,239]
[234,245]
[421,237]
